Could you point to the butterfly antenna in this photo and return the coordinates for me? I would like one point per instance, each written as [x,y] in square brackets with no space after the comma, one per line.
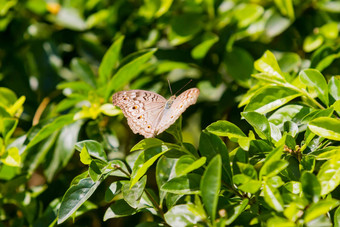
[183,86]
[170,87]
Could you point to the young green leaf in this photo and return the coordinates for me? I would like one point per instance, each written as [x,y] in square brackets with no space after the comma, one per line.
[187,164]
[272,197]
[268,64]
[94,149]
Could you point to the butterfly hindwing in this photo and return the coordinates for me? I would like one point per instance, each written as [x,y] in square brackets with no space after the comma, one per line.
[141,108]
[180,104]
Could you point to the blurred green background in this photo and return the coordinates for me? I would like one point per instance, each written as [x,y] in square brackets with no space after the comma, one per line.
[62,56]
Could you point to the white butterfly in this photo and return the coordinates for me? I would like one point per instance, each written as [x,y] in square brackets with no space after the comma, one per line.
[148,113]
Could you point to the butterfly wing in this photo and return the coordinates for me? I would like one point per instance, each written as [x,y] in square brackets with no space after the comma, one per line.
[180,104]
[141,109]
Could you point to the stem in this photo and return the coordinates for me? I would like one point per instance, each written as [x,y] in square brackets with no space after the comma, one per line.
[155,204]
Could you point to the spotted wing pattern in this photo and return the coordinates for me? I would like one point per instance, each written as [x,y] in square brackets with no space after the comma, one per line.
[141,108]
[180,104]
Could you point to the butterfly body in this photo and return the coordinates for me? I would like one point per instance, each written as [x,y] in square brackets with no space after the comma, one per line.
[149,113]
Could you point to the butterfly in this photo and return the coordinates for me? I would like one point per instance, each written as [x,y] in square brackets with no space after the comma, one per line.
[149,113]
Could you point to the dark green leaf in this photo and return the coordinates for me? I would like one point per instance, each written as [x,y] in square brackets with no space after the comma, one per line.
[211,184]
[132,195]
[211,145]
[310,186]
[259,122]
[119,208]
[94,148]
[187,184]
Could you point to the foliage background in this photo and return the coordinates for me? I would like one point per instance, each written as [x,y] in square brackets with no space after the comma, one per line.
[64,59]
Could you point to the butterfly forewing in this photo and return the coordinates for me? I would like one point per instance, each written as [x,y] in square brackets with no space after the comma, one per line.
[141,108]
[181,103]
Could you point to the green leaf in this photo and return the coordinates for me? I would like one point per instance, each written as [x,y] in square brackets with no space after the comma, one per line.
[118,209]
[110,60]
[225,128]
[85,157]
[181,215]
[310,186]
[11,157]
[8,127]
[187,164]
[145,159]
[146,144]
[211,184]
[312,42]
[183,27]
[236,211]
[259,122]
[326,127]
[270,98]
[246,14]
[94,149]
[114,189]
[316,81]
[286,8]
[330,30]
[128,72]
[268,64]
[200,51]
[132,195]
[211,145]
[63,151]
[75,196]
[187,184]
[336,220]
[329,176]
[165,170]
[272,197]
[50,128]
[239,64]
[320,208]
[273,164]
[334,88]
[83,71]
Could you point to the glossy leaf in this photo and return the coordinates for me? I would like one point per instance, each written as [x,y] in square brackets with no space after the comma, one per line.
[326,127]
[119,208]
[181,215]
[259,122]
[94,149]
[268,64]
[75,196]
[132,195]
[187,164]
[225,128]
[329,176]
[315,80]
[187,184]
[270,98]
[211,184]
[272,197]
[320,208]
[145,159]
[211,145]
